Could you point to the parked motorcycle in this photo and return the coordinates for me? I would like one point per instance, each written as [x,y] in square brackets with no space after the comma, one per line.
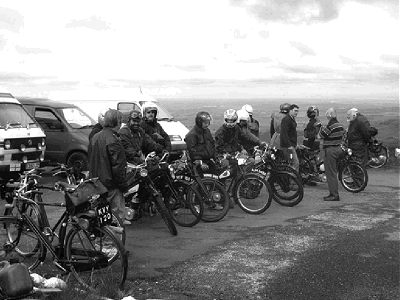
[377,153]
[351,173]
[144,193]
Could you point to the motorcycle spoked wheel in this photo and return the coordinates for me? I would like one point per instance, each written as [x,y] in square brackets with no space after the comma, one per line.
[353,177]
[378,159]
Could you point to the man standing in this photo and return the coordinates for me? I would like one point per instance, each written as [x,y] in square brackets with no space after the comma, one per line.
[332,136]
[289,136]
[275,127]
[107,161]
[358,134]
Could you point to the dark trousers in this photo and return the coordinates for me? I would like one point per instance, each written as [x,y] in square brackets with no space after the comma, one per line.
[330,162]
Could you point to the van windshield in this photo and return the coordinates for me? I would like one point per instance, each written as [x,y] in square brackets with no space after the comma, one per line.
[163,114]
[76,117]
[13,115]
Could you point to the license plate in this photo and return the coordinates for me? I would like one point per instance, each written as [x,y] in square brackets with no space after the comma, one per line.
[32,165]
[104,216]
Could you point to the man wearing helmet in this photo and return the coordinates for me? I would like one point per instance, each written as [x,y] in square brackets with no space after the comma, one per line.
[358,134]
[107,161]
[312,128]
[200,142]
[243,123]
[135,141]
[275,127]
[153,128]
[229,138]
[288,136]
[252,124]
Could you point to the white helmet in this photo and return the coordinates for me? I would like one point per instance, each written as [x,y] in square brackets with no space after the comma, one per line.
[248,108]
[243,115]
[149,106]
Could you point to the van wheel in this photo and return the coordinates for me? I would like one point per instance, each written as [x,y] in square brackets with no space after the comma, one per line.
[78,160]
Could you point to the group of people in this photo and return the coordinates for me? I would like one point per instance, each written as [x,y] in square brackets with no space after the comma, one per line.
[112,145]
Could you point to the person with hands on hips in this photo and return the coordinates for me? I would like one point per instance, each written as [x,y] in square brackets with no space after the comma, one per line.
[288,136]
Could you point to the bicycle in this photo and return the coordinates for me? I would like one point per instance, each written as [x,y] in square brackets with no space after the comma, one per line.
[30,180]
[89,250]
[206,190]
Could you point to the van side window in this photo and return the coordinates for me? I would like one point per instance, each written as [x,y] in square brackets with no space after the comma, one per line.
[47,119]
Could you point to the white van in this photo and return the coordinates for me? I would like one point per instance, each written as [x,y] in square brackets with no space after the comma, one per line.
[22,140]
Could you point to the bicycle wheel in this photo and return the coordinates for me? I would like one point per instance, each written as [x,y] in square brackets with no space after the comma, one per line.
[353,177]
[28,242]
[253,194]
[162,209]
[98,259]
[287,188]
[185,211]
[378,159]
[215,198]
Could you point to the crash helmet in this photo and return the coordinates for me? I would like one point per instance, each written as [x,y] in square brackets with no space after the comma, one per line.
[242,115]
[201,117]
[149,106]
[248,108]
[285,108]
[312,111]
[135,115]
[230,118]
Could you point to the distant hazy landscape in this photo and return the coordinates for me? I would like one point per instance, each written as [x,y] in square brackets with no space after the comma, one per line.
[383,114]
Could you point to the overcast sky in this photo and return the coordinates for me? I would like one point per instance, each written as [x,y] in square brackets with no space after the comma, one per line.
[324,49]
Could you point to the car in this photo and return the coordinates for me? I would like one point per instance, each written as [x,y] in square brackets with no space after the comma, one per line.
[67,129]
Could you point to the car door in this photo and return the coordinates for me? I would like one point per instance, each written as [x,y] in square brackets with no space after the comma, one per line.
[56,133]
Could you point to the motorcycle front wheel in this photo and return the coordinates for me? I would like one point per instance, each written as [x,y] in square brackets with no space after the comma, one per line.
[354,177]
[378,159]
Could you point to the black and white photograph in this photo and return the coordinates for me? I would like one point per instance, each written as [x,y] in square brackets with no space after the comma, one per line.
[187,149]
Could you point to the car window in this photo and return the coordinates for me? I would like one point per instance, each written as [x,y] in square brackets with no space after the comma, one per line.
[163,114]
[13,115]
[47,119]
[76,117]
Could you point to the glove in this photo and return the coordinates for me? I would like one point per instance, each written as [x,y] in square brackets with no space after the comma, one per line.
[244,152]
[157,136]
[204,167]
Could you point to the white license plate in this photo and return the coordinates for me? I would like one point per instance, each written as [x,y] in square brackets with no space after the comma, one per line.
[104,215]
[32,165]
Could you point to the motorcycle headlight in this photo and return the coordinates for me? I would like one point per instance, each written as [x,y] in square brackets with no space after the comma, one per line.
[273,156]
[349,151]
[7,144]
[22,147]
[43,142]
[143,172]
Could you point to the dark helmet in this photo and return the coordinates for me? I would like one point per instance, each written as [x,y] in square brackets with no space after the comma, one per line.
[285,107]
[135,115]
[201,117]
[312,111]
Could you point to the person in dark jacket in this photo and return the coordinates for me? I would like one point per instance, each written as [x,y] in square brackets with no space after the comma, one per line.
[275,126]
[253,125]
[99,125]
[312,128]
[358,134]
[107,161]
[289,136]
[151,126]
[229,137]
[332,135]
[200,142]
[135,141]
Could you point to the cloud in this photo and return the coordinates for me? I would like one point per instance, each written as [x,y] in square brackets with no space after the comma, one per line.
[10,19]
[302,48]
[305,11]
[94,23]
[187,68]
[27,50]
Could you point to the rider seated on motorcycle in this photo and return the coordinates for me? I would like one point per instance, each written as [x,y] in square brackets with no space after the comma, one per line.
[243,119]
[200,142]
[151,126]
[137,144]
